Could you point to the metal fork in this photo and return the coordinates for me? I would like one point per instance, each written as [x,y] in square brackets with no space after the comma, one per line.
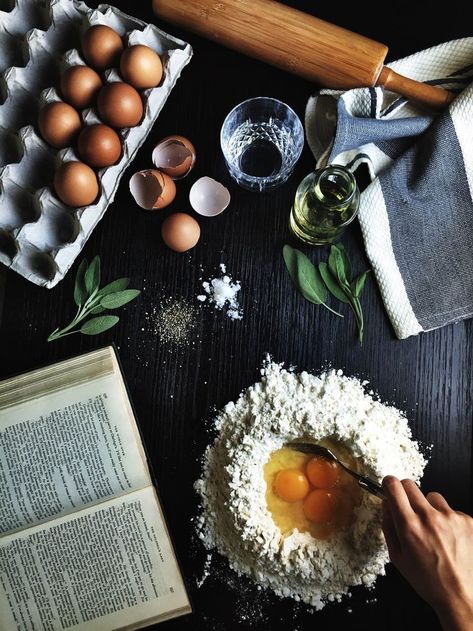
[317,450]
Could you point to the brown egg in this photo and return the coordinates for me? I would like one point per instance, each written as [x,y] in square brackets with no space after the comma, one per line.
[120,105]
[175,156]
[59,124]
[76,184]
[180,232]
[80,86]
[99,146]
[101,46]
[141,67]
[152,189]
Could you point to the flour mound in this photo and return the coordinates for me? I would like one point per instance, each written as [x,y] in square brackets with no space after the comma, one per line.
[234,518]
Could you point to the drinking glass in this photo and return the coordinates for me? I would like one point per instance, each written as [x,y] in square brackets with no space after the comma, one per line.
[261,140]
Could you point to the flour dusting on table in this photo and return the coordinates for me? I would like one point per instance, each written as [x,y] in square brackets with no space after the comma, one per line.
[234,518]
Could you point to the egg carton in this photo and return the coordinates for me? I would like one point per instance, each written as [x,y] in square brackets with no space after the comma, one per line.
[40,237]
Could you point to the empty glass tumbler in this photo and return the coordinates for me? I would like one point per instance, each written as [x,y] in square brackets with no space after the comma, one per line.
[326,202]
[261,140]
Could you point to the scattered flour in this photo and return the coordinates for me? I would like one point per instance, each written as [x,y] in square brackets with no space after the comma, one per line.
[234,519]
[222,293]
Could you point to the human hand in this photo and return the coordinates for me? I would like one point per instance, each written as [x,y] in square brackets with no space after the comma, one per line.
[432,547]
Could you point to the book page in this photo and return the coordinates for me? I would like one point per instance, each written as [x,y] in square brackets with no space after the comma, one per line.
[65,450]
[104,568]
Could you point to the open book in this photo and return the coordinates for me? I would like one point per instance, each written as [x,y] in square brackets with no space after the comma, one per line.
[83,541]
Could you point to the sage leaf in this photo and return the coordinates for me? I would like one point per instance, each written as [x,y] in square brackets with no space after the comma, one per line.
[119,298]
[336,264]
[92,276]
[97,309]
[117,285]
[346,261]
[80,292]
[332,284]
[359,283]
[304,275]
[99,325]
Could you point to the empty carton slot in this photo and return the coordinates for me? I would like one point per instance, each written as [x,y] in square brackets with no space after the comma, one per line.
[68,36]
[10,147]
[13,52]
[39,73]
[8,247]
[25,16]
[39,264]
[56,228]
[18,109]
[37,166]
[17,207]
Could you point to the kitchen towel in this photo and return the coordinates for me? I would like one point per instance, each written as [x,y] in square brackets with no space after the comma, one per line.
[416,215]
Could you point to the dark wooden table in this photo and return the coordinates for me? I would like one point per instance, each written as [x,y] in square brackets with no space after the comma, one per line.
[175,391]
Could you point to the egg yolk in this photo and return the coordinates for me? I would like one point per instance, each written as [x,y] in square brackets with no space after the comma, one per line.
[291,485]
[323,473]
[320,506]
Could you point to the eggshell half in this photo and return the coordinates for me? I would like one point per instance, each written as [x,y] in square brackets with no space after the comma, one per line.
[152,189]
[208,197]
[175,156]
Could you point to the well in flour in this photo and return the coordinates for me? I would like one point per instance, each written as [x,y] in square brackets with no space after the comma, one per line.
[235,519]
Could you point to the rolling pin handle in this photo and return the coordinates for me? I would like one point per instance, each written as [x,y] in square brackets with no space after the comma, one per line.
[429,95]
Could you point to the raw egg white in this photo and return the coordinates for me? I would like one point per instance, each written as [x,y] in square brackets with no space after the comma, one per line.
[76,184]
[120,105]
[101,46]
[99,146]
[175,156]
[80,86]
[180,232]
[141,67]
[59,124]
[152,189]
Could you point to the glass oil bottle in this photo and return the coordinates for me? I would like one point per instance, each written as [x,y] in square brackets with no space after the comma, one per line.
[326,201]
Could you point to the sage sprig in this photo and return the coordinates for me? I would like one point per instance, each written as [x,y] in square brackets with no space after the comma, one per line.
[334,275]
[91,300]
[306,277]
[337,276]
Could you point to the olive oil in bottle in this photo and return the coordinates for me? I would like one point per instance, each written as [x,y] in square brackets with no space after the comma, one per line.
[326,202]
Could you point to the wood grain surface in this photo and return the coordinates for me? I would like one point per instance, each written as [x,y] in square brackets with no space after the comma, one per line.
[176,391]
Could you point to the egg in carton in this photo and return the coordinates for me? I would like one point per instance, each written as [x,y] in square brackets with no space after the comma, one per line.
[40,236]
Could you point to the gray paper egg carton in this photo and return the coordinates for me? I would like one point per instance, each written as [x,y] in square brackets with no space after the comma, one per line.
[40,237]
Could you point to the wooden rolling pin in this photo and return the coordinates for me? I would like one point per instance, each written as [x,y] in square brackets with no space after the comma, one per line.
[300,43]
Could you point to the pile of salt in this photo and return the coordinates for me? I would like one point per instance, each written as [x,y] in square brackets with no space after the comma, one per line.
[222,292]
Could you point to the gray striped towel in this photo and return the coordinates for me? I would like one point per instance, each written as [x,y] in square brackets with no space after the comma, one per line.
[416,216]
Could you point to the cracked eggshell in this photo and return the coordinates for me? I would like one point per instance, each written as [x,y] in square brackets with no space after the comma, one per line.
[152,189]
[208,197]
[175,156]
